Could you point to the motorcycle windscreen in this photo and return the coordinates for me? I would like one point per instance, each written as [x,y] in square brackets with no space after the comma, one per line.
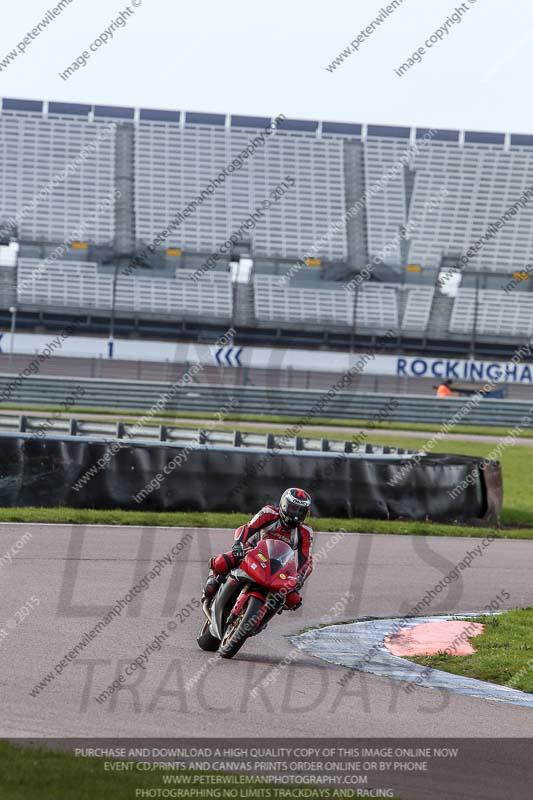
[279,554]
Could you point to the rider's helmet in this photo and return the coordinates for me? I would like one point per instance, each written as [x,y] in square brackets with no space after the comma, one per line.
[294,506]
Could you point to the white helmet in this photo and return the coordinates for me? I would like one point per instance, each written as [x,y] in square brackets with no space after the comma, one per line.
[294,506]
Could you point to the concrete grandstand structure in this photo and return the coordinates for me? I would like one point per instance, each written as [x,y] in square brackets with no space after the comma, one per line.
[89,188]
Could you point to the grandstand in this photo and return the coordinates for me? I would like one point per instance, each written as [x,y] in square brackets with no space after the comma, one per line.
[509,315]
[374,308]
[173,163]
[79,286]
[86,189]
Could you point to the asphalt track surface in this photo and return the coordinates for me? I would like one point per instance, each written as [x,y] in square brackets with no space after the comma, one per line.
[78,572]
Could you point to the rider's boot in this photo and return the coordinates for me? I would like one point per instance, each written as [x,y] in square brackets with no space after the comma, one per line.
[211,586]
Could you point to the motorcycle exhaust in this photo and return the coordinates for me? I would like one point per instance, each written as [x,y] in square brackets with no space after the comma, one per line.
[207,611]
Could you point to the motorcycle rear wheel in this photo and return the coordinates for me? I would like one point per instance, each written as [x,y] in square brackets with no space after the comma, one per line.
[241,628]
[206,640]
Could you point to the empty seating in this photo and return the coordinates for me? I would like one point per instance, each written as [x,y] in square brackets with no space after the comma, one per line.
[174,164]
[60,165]
[417,308]
[498,313]
[62,283]
[57,177]
[80,285]
[275,301]
[378,305]
[483,182]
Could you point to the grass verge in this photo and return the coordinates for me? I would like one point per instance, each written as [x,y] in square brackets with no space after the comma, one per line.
[197,519]
[28,773]
[504,652]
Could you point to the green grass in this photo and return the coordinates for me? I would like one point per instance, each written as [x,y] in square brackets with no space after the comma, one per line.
[504,652]
[40,774]
[316,422]
[36,773]
[198,519]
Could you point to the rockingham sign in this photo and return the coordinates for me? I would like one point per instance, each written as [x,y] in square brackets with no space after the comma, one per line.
[467,370]
[516,370]
[458,369]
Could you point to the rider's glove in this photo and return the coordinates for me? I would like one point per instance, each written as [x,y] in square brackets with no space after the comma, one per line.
[237,551]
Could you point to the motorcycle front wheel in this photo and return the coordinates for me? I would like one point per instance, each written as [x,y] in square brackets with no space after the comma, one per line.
[241,628]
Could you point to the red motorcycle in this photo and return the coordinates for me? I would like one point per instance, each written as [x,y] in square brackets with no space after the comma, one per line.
[250,596]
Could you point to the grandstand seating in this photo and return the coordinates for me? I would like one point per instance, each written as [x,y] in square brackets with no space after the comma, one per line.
[482,180]
[68,284]
[498,313]
[60,162]
[174,164]
[273,301]
[417,308]
[54,174]
[378,305]
[176,155]
[82,286]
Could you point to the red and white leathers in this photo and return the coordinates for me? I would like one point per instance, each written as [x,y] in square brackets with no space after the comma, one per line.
[267,525]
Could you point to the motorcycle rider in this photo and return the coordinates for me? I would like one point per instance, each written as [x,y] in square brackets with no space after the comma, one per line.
[286,523]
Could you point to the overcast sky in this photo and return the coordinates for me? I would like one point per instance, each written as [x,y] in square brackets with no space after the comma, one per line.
[270,58]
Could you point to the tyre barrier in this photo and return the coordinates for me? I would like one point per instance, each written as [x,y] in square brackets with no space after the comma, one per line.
[82,472]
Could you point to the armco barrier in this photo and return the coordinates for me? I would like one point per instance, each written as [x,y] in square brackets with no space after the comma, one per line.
[298,403]
[90,473]
[40,427]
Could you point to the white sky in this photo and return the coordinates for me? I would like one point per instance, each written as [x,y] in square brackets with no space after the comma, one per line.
[268,58]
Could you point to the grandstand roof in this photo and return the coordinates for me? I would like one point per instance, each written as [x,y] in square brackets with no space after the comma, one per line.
[313,127]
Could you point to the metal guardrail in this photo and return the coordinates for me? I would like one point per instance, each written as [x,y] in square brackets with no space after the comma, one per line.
[40,427]
[297,403]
